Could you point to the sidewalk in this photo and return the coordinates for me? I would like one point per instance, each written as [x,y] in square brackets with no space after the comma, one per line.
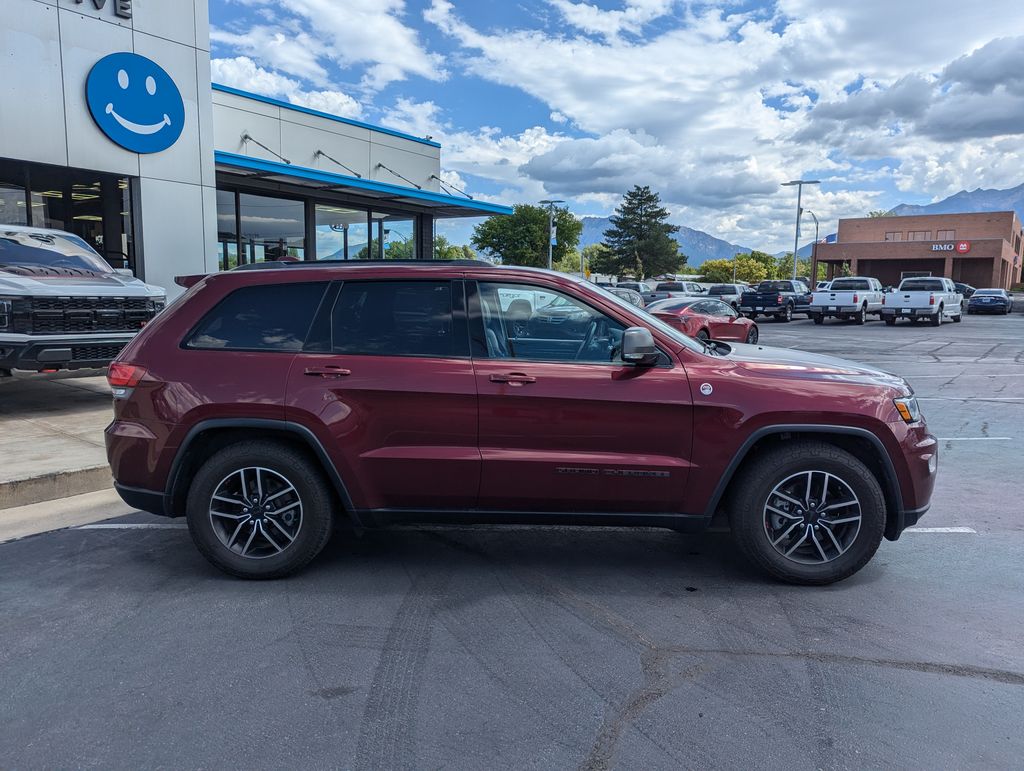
[51,438]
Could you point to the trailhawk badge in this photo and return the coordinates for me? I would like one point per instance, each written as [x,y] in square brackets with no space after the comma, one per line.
[706,389]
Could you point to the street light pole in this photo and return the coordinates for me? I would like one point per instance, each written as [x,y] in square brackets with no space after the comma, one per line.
[814,250]
[551,226]
[799,210]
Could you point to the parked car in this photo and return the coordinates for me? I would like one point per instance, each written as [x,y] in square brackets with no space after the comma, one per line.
[728,293]
[705,319]
[781,299]
[990,301]
[629,295]
[61,304]
[266,406]
[851,298]
[965,289]
[917,299]
[637,286]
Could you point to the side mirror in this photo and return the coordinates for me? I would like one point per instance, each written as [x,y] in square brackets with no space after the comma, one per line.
[124,272]
[638,347]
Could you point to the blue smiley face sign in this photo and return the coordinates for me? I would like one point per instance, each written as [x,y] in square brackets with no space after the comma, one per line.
[135,102]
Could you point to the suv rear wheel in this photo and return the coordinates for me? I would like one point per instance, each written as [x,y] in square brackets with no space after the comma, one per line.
[808,513]
[259,509]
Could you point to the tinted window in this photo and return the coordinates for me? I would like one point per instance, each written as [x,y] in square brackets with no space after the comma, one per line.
[273,317]
[395,318]
[669,286]
[991,293]
[923,285]
[670,305]
[721,289]
[841,284]
[775,286]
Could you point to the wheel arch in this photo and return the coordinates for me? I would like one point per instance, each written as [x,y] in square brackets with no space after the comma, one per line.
[209,436]
[862,443]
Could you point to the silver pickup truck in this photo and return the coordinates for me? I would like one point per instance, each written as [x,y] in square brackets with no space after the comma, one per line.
[62,306]
[931,299]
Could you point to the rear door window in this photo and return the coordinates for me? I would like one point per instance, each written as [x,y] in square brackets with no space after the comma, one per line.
[269,317]
[398,318]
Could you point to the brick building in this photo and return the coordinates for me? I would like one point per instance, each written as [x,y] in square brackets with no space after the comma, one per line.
[982,249]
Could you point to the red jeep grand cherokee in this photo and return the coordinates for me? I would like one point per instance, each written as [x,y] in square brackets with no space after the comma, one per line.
[267,403]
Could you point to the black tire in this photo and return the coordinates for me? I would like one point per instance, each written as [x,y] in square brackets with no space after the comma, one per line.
[960,315]
[284,462]
[752,316]
[936,320]
[786,316]
[861,316]
[752,489]
[890,321]
[819,318]
[753,335]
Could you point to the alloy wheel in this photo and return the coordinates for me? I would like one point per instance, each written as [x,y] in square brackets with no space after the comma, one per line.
[255,512]
[812,517]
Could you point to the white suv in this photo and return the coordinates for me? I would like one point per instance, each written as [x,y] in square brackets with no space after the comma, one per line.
[62,306]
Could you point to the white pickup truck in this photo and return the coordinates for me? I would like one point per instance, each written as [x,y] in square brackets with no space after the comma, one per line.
[853,297]
[934,299]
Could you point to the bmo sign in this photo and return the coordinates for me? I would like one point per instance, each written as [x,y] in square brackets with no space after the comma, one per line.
[961,247]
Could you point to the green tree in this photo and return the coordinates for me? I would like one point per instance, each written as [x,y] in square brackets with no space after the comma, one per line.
[765,260]
[640,237]
[784,266]
[521,238]
[874,213]
[468,253]
[445,250]
[600,259]
[568,264]
[747,269]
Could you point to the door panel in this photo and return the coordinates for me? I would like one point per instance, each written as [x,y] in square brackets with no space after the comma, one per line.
[400,424]
[584,434]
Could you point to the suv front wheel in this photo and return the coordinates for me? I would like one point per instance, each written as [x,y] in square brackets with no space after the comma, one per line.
[808,513]
[259,509]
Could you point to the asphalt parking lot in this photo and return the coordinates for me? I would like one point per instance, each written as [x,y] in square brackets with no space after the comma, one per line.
[534,647]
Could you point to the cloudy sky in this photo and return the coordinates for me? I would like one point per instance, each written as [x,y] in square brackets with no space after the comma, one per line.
[711,104]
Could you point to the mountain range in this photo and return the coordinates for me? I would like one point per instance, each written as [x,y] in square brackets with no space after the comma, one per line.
[697,245]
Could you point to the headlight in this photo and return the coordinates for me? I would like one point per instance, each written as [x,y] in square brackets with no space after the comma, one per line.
[908,408]
[159,303]
[5,314]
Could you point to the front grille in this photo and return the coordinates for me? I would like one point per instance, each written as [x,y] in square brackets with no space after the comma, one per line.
[96,352]
[76,315]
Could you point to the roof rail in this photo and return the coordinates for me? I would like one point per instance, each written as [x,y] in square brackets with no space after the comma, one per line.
[273,264]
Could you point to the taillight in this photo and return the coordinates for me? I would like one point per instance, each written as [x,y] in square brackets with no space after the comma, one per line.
[778,300]
[883,299]
[855,298]
[123,378]
[931,299]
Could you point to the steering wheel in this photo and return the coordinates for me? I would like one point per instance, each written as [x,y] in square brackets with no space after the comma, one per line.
[588,340]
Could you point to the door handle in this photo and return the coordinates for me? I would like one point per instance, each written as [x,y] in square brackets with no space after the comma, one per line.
[328,371]
[513,378]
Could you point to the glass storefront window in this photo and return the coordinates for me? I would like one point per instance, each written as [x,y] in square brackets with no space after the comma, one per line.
[272,228]
[12,205]
[341,233]
[227,229]
[394,237]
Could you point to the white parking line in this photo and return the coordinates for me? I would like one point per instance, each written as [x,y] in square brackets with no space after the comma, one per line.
[966,373]
[970,399]
[975,438]
[136,526]
[940,530]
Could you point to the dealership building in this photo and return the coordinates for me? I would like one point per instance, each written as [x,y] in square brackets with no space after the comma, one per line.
[982,249]
[111,129]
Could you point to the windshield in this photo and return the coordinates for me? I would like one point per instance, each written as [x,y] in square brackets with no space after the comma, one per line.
[25,249]
[651,321]
[671,305]
[841,284]
[990,292]
[922,285]
[774,286]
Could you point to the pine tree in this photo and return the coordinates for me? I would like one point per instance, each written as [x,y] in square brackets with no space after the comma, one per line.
[640,237]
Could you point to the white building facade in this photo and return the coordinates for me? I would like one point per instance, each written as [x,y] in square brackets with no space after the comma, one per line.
[111,129]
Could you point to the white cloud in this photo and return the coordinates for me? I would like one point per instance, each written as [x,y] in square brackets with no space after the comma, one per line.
[243,73]
[355,33]
[611,23]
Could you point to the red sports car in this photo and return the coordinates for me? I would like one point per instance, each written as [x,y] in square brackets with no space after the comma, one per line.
[705,319]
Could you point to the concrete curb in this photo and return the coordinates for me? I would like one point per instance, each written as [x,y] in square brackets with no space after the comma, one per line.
[50,487]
